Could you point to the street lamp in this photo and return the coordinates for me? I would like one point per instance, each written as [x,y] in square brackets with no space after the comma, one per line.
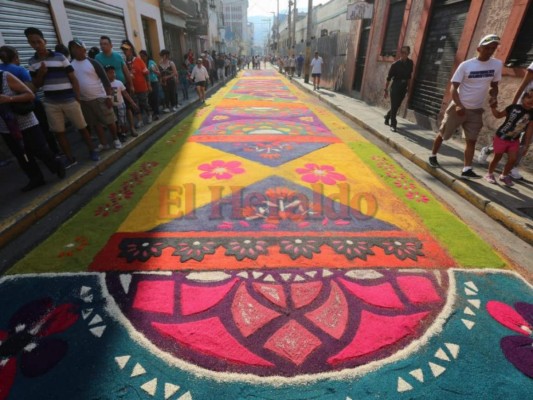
[269,33]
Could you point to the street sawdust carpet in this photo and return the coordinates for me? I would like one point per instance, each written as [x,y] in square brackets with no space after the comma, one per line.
[264,249]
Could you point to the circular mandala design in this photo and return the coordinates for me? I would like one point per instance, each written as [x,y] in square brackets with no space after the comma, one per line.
[288,323]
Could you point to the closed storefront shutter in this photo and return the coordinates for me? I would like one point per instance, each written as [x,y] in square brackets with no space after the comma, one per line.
[15,16]
[522,54]
[91,19]
[438,56]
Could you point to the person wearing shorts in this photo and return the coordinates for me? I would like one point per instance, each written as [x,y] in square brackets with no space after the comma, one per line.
[200,77]
[53,72]
[518,118]
[316,70]
[120,93]
[470,84]
[95,93]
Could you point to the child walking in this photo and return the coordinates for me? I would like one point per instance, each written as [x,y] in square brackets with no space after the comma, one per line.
[119,106]
[518,118]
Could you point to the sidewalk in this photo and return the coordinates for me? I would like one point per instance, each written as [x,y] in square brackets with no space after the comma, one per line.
[512,207]
[19,210]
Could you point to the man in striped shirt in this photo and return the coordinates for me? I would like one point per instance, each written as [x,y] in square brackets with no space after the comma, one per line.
[53,72]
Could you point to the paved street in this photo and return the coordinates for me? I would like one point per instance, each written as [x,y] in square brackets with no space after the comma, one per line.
[266,248]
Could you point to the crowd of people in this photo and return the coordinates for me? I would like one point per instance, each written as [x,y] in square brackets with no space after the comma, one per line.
[99,89]
[93,90]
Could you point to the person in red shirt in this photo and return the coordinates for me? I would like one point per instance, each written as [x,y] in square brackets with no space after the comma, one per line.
[140,77]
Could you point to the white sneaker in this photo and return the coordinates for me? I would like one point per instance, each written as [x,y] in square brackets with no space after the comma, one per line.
[149,119]
[515,174]
[174,109]
[483,155]
[101,147]
[166,110]
[117,143]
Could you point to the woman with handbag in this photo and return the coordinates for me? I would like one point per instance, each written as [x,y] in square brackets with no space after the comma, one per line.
[11,63]
[21,131]
[169,73]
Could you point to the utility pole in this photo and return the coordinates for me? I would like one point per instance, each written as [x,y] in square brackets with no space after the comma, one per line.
[289,26]
[295,18]
[277,31]
[308,40]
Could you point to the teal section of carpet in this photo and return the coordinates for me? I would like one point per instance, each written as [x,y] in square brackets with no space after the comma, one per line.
[90,370]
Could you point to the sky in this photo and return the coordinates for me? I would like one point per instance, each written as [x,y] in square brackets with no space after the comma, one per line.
[265,7]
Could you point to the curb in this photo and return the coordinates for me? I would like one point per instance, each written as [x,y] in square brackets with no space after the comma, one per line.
[515,223]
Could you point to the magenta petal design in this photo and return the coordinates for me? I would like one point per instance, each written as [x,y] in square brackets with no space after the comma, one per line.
[313,173]
[508,317]
[220,169]
[517,349]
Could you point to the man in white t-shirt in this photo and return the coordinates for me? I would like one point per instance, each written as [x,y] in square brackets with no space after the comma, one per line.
[316,70]
[95,93]
[470,84]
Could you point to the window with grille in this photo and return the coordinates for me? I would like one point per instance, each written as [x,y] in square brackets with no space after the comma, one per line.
[394,27]
[522,53]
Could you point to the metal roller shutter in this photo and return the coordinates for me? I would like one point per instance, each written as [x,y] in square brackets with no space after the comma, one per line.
[90,20]
[17,16]
[438,56]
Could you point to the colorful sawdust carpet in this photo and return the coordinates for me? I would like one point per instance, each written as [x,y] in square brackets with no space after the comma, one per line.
[264,249]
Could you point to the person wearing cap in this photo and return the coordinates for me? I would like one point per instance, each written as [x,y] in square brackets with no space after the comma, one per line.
[470,84]
[316,70]
[53,73]
[200,77]
[95,93]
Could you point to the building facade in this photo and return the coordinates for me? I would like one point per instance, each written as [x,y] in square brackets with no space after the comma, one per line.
[236,26]
[177,25]
[359,49]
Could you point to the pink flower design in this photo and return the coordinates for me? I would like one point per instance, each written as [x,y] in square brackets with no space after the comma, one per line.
[220,169]
[313,173]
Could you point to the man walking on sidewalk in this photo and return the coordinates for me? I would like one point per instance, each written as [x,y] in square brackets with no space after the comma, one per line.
[316,70]
[470,83]
[400,73]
